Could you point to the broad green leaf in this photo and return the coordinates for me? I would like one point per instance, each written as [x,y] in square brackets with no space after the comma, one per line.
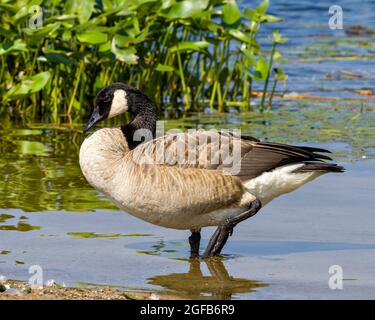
[92,37]
[63,17]
[143,6]
[277,37]
[82,8]
[250,14]
[56,56]
[269,18]
[239,35]
[122,41]
[165,4]
[277,55]
[12,9]
[20,14]
[187,9]
[40,33]
[132,37]
[210,25]
[31,3]
[249,57]
[261,70]
[280,75]
[12,46]
[262,8]
[255,16]
[127,55]
[38,81]
[105,47]
[164,68]
[107,5]
[28,86]
[231,13]
[189,46]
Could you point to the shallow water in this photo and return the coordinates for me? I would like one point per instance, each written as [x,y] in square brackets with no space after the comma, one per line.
[283,252]
[50,216]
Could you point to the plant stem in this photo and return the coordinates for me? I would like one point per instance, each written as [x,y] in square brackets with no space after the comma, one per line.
[213,93]
[31,70]
[184,88]
[80,69]
[271,96]
[261,106]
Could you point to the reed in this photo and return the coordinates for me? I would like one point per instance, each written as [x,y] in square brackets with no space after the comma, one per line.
[184,54]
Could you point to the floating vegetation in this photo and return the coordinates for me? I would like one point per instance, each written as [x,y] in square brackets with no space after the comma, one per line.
[23,227]
[351,48]
[87,235]
[4,217]
[152,253]
[207,51]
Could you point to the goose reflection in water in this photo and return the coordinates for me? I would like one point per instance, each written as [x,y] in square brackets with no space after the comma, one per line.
[195,285]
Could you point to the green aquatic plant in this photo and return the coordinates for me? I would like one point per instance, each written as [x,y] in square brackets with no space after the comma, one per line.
[23,227]
[89,235]
[4,217]
[55,55]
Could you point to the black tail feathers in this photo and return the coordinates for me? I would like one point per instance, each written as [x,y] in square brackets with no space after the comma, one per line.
[319,166]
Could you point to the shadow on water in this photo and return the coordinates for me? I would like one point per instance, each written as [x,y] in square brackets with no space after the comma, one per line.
[195,285]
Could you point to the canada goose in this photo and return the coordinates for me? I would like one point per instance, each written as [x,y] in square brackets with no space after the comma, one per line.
[140,180]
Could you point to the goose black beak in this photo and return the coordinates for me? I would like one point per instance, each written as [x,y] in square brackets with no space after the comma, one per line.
[95,118]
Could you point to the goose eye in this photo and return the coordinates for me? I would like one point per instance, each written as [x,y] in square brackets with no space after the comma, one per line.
[107,98]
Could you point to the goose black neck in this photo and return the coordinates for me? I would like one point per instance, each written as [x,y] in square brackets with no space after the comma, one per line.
[143,126]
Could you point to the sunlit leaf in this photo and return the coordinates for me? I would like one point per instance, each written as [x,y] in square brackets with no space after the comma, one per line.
[43,31]
[231,13]
[29,85]
[277,55]
[193,46]
[127,55]
[105,47]
[93,37]
[249,57]
[239,35]
[262,8]
[277,37]
[82,8]
[187,9]
[164,68]
[280,75]
[10,46]
[261,70]
[254,15]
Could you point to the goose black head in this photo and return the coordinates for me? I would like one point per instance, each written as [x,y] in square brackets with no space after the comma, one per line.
[116,99]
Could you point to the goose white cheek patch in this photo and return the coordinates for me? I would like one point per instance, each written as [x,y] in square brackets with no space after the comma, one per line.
[119,103]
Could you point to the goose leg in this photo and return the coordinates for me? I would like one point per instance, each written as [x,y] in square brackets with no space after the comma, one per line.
[194,241]
[222,233]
